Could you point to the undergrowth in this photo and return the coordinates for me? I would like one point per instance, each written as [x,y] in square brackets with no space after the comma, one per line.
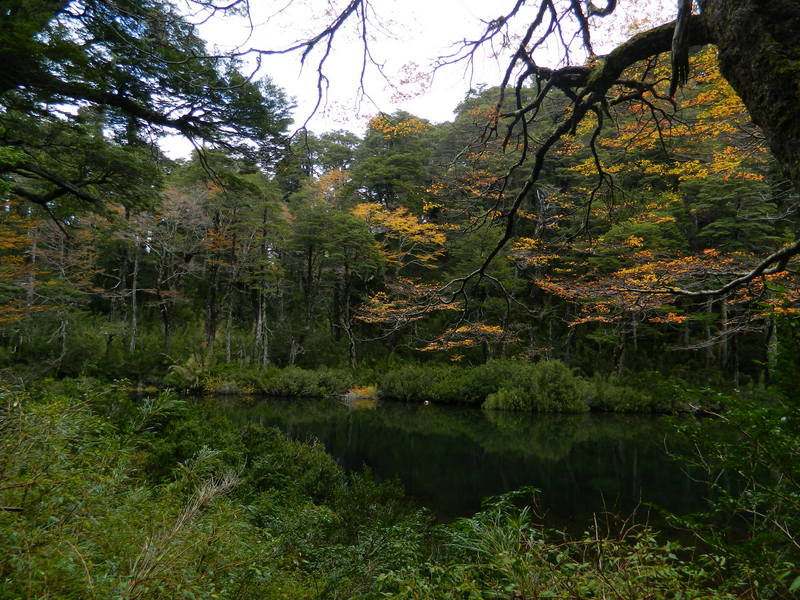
[105,495]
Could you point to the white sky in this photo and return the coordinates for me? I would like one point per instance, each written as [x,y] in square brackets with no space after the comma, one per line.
[406,38]
[405,32]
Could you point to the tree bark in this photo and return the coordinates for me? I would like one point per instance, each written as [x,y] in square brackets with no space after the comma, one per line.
[134,291]
[771,351]
[759,54]
[725,344]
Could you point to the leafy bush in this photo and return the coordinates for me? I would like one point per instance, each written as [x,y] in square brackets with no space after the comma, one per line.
[555,388]
[449,384]
[548,386]
[301,470]
[501,553]
[509,398]
[750,456]
[609,395]
[542,387]
[297,382]
[196,374]
[89,527]
[189,374]
[410,383]
[504,384]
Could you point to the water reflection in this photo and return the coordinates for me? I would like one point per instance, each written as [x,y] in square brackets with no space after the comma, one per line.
[450,458]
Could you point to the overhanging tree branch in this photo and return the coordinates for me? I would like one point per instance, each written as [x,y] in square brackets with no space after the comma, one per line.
[772,264]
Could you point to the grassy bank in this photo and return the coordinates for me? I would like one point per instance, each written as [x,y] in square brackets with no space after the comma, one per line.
[509,385]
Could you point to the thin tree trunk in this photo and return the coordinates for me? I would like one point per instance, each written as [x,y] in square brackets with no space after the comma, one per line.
[163,304]
[265,347]
[707,333]
[294,350]
[62,338]
[166,324]
[724,346]
[134,284]
[228,331]
[211,297]
[772,350]
[619,359]
[351,342]
[262,332]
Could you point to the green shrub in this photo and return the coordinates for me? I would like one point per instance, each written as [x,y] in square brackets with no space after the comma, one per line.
[496,374]
[555,388]
[510,398]
[411,383]
[547,386]
[334,381]
[449,384]
[298,469]
[501,553]
[296,382]
[189,374]
[542,387]
[90,527]
[608,395]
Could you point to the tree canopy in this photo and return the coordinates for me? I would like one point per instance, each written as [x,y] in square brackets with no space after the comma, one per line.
[123,74]
[757,49]
[624,193]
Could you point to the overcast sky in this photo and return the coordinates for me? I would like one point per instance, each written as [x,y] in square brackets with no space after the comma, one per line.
[407,37]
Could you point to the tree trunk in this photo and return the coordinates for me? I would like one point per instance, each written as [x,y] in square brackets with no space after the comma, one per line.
[347,325]
[619,351]
[264,346]
[724,346]
[213,291]
[772,351]
[759,54]
[228,331]
[294,349]
[166,325]
[163,306]
[134,283]
[707,332]
[262,331]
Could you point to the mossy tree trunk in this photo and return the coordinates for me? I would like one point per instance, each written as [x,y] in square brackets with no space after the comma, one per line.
[759,54]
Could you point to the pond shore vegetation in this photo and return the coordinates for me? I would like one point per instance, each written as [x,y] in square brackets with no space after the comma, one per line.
[106,495]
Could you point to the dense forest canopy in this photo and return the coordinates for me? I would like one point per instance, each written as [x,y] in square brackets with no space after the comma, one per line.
[625,204]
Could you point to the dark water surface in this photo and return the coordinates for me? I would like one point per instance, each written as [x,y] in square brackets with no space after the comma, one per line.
[449,459]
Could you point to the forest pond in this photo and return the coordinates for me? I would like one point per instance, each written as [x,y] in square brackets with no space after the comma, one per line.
[449,459]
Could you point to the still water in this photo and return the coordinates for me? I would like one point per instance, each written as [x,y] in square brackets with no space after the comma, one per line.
[449,458]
